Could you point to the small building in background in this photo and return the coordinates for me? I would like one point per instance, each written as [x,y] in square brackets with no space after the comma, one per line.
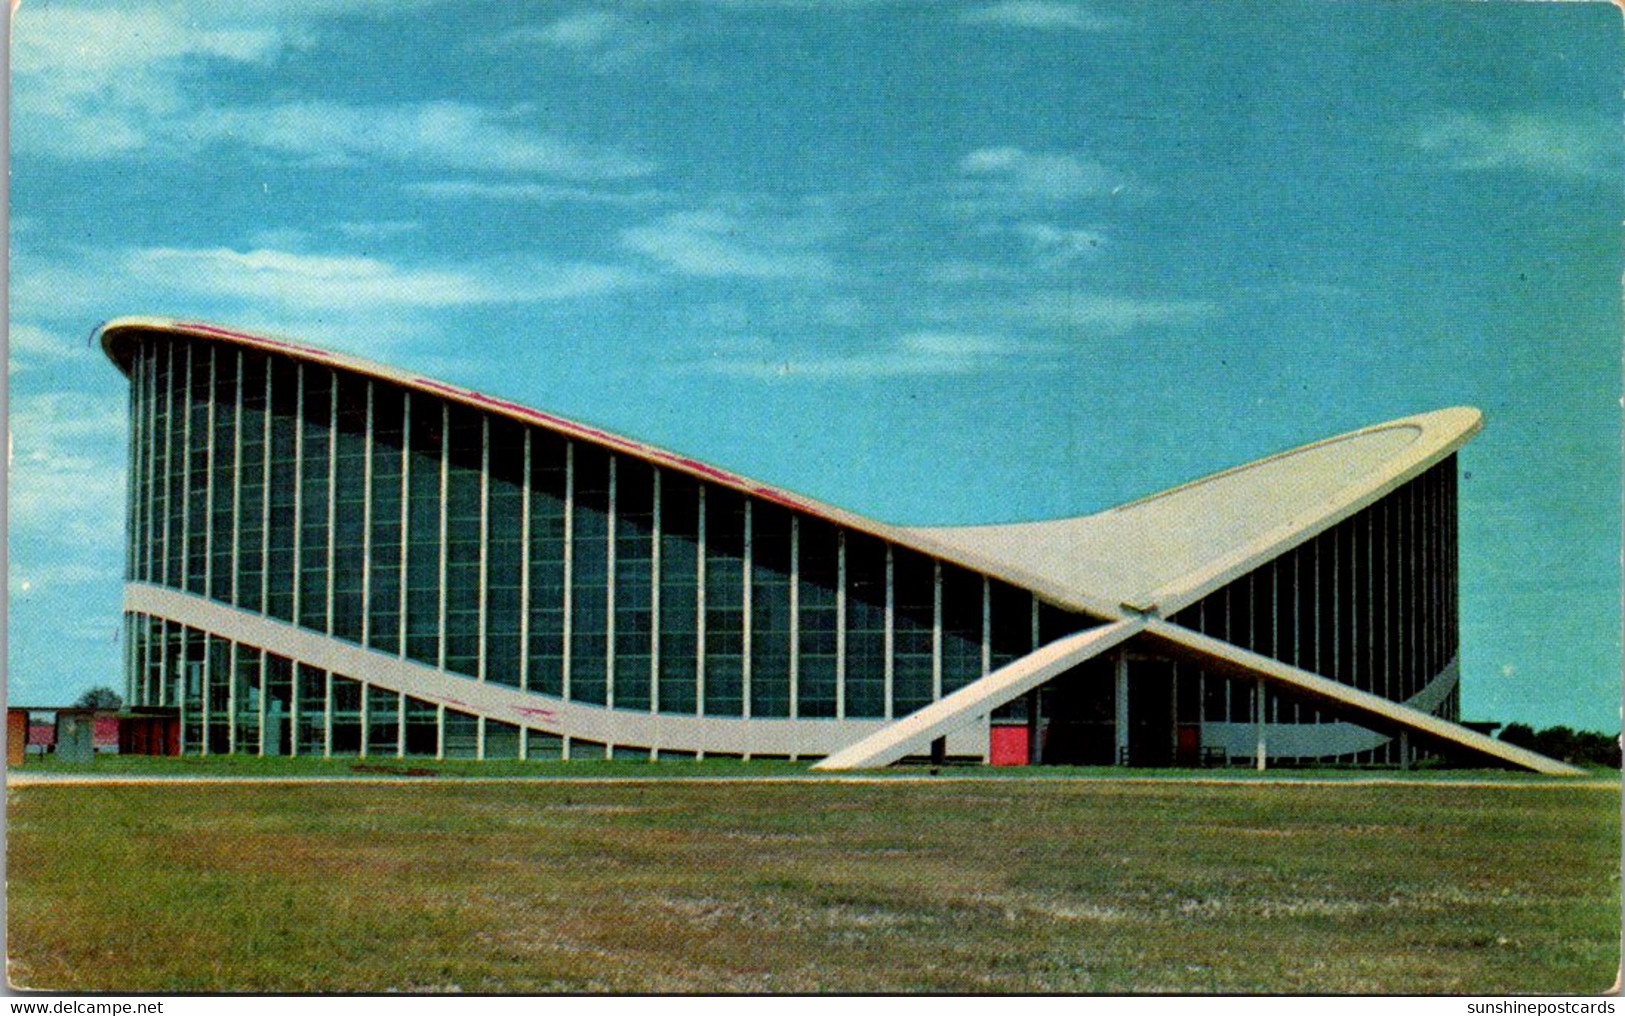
[72,733]
[150,731]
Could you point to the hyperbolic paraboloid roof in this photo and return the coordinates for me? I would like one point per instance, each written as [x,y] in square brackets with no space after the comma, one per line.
[1159,553]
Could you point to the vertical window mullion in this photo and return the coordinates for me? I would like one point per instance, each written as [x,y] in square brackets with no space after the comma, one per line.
[936,629]
[440,591]
[746,569]
[524,568]
[366,535]
[889,637]
[795,616]
[485,540]
[654,593]
[987,626]
[298,485]
[840,624]
[699,571]
[568,624]
[332,499]
[609,584]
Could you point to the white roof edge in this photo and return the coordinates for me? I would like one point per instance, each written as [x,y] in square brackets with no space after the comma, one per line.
[1440,433]
[1444,432]
[919,540]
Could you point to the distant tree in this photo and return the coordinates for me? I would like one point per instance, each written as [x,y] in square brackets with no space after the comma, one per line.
[1520,734]
[101,697]
[1566,743]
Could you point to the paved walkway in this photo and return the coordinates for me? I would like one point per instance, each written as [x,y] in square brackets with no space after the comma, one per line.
[49,779]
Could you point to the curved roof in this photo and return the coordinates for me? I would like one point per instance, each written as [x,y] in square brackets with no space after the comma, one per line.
[1158,553]
[1167,550]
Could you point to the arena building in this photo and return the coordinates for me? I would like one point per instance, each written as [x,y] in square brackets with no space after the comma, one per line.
[332,557]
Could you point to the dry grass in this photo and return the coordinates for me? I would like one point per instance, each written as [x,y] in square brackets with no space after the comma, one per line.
[814,887]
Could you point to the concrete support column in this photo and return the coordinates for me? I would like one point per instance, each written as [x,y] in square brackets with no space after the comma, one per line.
[1034,730]
[1122,709]
[1258,718]
[1404,749]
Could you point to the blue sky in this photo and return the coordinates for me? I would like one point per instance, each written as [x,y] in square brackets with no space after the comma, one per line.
[934,262]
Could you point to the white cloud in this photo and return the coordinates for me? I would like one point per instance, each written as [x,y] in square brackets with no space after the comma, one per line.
[918,354]
[717,243]
[95,82]
[1059,245]
[30,346]
[606,40]
[452,134]
[1101,314]
[65,466]
[320,281]
[1042,14]
[1521,141]
[105,82]
[538,193]
[1045,175]
[376,230]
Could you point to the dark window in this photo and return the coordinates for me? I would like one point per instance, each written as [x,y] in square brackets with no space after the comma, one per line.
[865,625]
[634,582]
[679,577]
[913,618]
[350,506]
[425,434]
[384,578]
[770,610]
[818,565]
[223,478]
[504,533]
[724,602]
[464,526]
[589,581]
[251,486]
[547,541]
[961,627]
[314,491]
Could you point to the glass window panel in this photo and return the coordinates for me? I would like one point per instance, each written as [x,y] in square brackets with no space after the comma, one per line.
[349,506]
[501,740]
[589,583]
[383,721]
[200,399]
[251,484]
[278,704]
[865,626]
[462,735]
[464,493]
[819,572]
[679,591]
[585,750]
[547,540]
[961,627]
[384,578]
[314,490]
[219,695]
[312,724]
[346,716]
[279,538]
[422,622]
[634,582]
[222,551]
[422,728]
[724,602]
[913,612]
[541,745]
[250,693]
[770,610]
[504,558]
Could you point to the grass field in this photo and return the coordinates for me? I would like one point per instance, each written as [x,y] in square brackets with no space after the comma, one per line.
[996,885]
